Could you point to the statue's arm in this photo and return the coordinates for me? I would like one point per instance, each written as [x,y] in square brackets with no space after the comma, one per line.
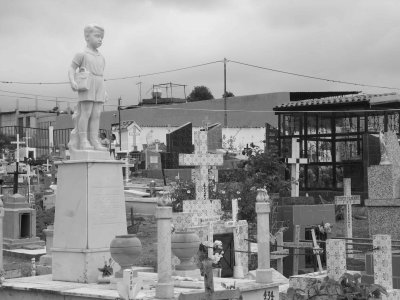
[71,76]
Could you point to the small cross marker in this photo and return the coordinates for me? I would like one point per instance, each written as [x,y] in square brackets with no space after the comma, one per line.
[295,161]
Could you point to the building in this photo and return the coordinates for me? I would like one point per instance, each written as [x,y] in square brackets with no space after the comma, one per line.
[338,135]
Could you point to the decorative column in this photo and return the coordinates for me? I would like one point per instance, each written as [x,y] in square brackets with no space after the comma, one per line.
[1,233]
[46,259]
[264,271]
[165,285]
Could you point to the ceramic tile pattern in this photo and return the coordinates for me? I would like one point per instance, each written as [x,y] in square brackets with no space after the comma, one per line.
[336,258]
[203,160]
[383,260]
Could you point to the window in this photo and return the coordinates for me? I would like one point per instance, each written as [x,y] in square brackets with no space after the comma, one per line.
[311,124]
[324,125]
[346,124]
[319,177]
[348,150]
[393,122]
[376,123]
[291,125]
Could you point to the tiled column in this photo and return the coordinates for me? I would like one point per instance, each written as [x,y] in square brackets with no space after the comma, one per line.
[264,272]
[165,285]
[336,258]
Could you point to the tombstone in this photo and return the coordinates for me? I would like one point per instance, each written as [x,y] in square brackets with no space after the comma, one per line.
[49,199]
[19,223]
[178,141]
[153,160]
[45,261]
[305,212]
[336,258]
[214,137]
[383,203]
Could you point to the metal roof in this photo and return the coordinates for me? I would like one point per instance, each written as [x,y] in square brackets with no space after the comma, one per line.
[372,99]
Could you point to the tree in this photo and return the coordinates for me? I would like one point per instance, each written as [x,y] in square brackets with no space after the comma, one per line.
[200,93]
[228,94]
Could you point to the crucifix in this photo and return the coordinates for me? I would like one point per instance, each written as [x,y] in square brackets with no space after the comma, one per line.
[348,200]
[203,160]
[295,161]
[17,142]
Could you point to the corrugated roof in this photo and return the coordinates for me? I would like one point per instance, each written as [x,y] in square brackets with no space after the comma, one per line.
[372,99]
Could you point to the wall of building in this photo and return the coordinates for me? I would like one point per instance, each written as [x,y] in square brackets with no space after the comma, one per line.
[233,138]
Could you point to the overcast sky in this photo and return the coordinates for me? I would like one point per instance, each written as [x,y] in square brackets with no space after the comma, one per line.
[346,40]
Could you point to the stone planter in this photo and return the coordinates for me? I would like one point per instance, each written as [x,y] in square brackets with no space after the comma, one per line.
[185,245]
[125,249]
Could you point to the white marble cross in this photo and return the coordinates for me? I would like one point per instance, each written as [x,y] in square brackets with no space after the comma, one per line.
[348,200]
[336,258]
[295,161]
[18,142]
[203,160]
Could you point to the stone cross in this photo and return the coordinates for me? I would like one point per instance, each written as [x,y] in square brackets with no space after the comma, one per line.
[206,123]
[295,161]
[47,165]
[203,160]
[348,200]
[336,258]
[18,142]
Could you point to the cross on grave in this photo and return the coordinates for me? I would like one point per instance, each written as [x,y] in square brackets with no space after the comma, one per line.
[348,200]
[295,161]
[317,250]
[16,176]
[17,142]
[203,160]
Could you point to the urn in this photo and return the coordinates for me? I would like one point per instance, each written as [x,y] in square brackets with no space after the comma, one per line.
[185,245]
[125,249]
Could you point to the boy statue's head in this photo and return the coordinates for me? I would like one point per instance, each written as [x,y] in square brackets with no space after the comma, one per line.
[94,35]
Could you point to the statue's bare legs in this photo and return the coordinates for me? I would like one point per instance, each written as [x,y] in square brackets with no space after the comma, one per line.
[94,125]
[83,122]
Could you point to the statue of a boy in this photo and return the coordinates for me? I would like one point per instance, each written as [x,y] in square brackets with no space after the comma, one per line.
[86,77]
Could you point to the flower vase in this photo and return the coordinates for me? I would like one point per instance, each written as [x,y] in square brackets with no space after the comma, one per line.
[185,245]
[125,249]
[103,279]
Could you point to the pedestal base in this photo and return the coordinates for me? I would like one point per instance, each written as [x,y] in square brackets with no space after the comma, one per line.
[188,273]
[264,275]
[165,290]
[90,212]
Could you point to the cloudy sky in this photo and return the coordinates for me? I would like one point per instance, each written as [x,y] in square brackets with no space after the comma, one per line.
[354,41]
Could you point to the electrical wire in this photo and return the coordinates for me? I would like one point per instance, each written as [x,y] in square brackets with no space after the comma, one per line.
[116,78]
[312,77]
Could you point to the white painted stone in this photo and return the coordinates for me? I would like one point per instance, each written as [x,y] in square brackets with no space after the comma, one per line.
[336,258]
[90,212]
[383,260]
[294,163]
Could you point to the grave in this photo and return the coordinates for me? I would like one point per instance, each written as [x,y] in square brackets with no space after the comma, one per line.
[383,203]
[197,214]
[19,223]
[295,161]
[305,212]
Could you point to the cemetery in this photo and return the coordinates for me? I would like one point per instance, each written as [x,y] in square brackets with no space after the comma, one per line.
[310,212]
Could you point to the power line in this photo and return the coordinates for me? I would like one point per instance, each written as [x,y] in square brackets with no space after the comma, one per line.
[312,77]
[36,95]
[117,78]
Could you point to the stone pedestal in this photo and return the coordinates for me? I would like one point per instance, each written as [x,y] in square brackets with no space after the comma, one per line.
[264,272]
[90,212]
[46,259]
[165,285]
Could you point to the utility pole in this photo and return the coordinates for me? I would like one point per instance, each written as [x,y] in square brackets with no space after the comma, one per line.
[225,108]
[119,123]
[140,92]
